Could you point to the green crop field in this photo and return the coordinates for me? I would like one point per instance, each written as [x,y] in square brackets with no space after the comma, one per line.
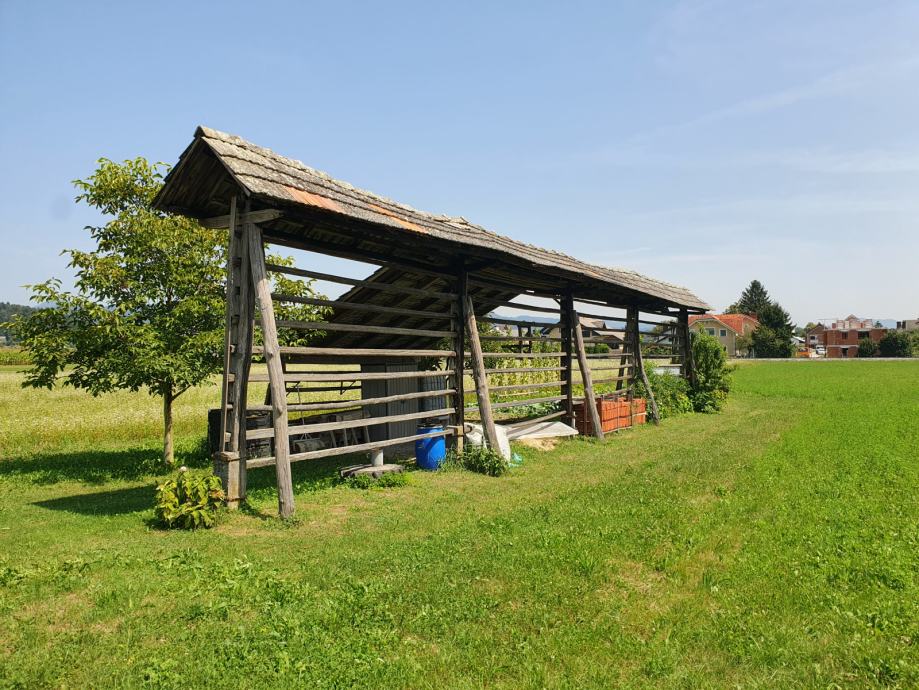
[773,545]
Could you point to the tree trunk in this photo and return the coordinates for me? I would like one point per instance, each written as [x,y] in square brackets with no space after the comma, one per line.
[168,456]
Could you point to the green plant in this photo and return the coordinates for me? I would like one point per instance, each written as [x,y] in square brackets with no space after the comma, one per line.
[895,344]
[671,393]
[712,373]
[867,347]
[189,500]
[385,481]
[479,459]
[13,356]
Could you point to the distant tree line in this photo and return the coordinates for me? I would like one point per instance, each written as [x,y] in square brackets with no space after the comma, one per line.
[7,311]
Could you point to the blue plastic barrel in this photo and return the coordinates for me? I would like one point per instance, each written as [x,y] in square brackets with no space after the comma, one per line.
[430,452]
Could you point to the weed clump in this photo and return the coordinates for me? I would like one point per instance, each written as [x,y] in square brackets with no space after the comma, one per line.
[386,480]
[189,500]
[479,459]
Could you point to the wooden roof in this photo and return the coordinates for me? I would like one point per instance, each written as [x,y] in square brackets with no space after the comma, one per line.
[334,217]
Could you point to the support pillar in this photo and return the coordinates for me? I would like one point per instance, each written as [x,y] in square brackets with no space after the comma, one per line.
[481,377]
[590,400]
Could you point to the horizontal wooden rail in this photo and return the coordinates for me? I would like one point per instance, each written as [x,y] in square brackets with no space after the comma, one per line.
[521,370]
[361,352]
[519,403]
[356,376]
[517,355]
[528,307]
[612,354]
[360,306]
[370,284]
[347,450]
[540,338]
[320,427]
[361,328]
[614,378]
[516,322]
[527,386]
[360,402]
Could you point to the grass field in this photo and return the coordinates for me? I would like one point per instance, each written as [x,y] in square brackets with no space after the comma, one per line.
[773,545]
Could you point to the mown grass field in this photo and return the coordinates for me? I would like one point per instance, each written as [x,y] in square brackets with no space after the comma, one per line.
[773,545]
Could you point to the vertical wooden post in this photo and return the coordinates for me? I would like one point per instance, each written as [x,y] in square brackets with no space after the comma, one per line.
[566,305]
[590,400]
[459,347]
[481,378]
[275,371]
[638,363]
[688,368]
[228,465]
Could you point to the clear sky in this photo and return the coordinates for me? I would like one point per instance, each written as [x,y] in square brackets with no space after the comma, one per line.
[705,143]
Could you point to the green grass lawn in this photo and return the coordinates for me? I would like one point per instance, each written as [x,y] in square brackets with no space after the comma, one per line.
[773,545]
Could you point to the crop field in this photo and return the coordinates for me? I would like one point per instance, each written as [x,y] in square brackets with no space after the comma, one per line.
[773,545]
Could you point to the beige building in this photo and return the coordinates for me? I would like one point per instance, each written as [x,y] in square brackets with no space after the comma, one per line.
[727,328]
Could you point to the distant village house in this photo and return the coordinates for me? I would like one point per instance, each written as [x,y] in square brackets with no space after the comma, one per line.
[727,328]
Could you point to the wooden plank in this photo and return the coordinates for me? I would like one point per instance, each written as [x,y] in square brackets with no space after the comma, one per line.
[347,450]
[226,221]
[516,322]
[520,355]
[370,284]
[359,306]
[275,371]
[307,377]
[361,328]
[360,402]
[320,427]
[242,353]
[528,307]
[480,377]
[590,404]
[688,365]
[361,352]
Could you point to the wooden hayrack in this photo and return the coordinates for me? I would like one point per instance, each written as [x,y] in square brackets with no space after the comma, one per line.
[414,323]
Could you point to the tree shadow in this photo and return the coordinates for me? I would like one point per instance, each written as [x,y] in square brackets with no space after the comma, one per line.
[98,467]
[116,502]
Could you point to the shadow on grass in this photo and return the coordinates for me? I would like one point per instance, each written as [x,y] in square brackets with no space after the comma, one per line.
[117,502]
[100,466]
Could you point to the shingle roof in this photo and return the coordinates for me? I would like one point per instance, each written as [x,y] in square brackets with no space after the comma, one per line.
[265,174]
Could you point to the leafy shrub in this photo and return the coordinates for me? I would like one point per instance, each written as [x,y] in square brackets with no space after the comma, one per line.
[867,347]
[671,393]
[189,500]
[895,344]
[597,349]
[477,459]
[386,480]
[713,375]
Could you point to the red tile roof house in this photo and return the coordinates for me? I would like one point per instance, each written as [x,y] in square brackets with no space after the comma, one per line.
[726,328]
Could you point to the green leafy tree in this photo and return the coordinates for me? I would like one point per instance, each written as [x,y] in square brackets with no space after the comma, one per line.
[772,338]
[753,299]
[147,311]
[712,373]
[895,344]
[867,347]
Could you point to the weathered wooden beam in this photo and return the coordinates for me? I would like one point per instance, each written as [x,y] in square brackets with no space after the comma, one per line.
[319,427]
[567,320]
[360,402]
[361,328]
[369,284]
[227,221]
[457,362]
[275,371]
[361,352]
[480,377]
[688,365]
[354,376]
[347,450]
[590,402]
[520,403]
[358,306]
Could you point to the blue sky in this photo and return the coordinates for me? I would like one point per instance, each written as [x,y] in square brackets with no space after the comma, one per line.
[705,143]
